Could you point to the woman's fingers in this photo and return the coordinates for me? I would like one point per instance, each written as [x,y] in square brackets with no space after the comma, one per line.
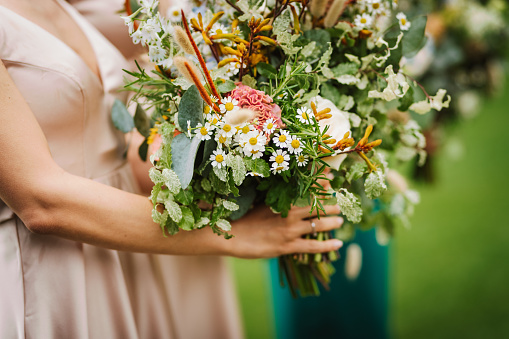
[303,212]
[322,225]
[314,246]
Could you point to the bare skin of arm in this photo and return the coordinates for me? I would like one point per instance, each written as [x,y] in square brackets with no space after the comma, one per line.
[51,201]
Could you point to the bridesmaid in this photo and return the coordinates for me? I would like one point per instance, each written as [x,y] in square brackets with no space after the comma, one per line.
[80,254]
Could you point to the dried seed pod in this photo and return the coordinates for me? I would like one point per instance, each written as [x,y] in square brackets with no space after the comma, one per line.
[180,62]
[240,116]
[335,11]
[318,7]
[182,40]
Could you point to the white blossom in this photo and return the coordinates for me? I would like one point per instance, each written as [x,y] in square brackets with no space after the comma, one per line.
[281,139]
[396,86]
[279,161]
[435,102]
[375,184]
[350,205]
[404,24]
[218,158]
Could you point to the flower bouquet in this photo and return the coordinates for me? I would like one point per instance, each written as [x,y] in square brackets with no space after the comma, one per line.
[255,102]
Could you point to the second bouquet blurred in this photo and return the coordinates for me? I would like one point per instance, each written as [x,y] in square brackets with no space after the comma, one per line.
[254,102]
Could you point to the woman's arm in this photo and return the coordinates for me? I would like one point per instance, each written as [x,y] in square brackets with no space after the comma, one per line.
[51,201]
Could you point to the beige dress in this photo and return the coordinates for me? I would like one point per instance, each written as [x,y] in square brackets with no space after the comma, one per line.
[56,288]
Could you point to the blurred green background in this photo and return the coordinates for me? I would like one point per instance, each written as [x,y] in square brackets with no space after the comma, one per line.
[449,272]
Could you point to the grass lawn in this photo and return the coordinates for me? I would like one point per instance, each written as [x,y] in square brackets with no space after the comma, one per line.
[450,275]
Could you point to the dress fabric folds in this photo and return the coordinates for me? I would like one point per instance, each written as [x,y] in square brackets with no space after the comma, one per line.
[57,288]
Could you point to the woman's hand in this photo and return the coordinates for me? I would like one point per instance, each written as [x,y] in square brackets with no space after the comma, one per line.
[263,234]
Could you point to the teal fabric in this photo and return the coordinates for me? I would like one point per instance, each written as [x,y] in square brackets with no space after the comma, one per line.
[351,309]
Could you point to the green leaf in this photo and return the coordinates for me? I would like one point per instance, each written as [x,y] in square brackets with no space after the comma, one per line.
[407,100]
[280,197]
[171,226]
[185,197]
[257,166]
[187,221]
[221,173]
[173,210]
[190,108]
[122,120]
[415,38]
[264,185]
[143,150]
[266,70]
[196,211]
[347,68]
[183,154]
[142,121]
[249,81]
[230,205]
[330,92]
[224,225]
[226,86]
[247,195]
[238,168]
[233,187]
[209,147]
[218,185]
[321,37]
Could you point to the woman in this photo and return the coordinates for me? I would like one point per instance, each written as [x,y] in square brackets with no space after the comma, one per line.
[62,220]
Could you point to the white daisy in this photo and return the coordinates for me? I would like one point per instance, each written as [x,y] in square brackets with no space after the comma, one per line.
[281,139]
[223,140]
[229,104]
[213,97]
[282,96]
[302,160]
[305,115]
[174,14]
[363,21]
[269,126]
[218,158]
[204,131]
[252,140]
[295,145]
[213,118]
[226,129]
[256,153]
[245,128]
[404,24]
[375,6]
[254,174]
[279,160]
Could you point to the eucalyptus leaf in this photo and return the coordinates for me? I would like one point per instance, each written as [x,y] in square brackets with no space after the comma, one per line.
[183,154]
[122,120]
[227,86]
[190,108]
[415,38]
[142,122]
[143,150]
